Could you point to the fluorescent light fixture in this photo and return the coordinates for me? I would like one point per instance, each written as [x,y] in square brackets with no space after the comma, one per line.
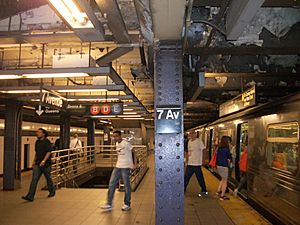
[127,109]
[103,116]
[9,77]
[81,90]
[71,13]
[54,75]
[130,116]
[21,91]
[135,118]
[129,113]
[91,99]
[104,121]
[221,125]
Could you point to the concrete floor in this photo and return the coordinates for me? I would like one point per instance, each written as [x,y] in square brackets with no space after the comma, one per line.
[80,206]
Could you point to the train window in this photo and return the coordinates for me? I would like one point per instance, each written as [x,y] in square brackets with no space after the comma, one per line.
[282,146]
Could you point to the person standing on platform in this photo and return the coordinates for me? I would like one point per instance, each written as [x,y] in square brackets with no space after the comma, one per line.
[194,162]
[41,165]
[76,147]
[126,161]
[223,162]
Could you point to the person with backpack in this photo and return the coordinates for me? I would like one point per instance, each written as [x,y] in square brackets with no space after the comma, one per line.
[126,161]
[41,165]
[223,160]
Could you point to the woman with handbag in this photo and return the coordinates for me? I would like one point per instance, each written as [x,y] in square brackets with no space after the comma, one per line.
[223,159]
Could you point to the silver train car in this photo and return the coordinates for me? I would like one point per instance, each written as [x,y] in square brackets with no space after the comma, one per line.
[270,132]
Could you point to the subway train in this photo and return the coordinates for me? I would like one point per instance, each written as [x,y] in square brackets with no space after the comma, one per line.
[270,132]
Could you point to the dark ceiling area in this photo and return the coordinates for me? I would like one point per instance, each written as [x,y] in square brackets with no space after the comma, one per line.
[266,56]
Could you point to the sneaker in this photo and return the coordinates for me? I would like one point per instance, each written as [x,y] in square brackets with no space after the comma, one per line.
[203,194]
[27,198]
[222,198]
[52,194]
[106,207]
[126,208]
[235,192]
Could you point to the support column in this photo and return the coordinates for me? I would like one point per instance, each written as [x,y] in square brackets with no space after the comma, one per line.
[107,139]
[91,132]
[169,164]
[64,133]
[12,145]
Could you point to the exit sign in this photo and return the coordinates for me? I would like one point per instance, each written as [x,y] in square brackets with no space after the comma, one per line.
[168,119]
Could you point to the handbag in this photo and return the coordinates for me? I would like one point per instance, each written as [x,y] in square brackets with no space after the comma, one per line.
[213,161]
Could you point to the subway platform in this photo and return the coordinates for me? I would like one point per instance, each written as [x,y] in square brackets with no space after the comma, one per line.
[81,206]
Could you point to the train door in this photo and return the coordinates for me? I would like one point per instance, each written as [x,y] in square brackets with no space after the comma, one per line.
[210,143]
[241,145]
[26,157]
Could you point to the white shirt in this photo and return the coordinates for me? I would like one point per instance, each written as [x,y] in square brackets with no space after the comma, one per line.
[75,143]
[195,150]
[124,151]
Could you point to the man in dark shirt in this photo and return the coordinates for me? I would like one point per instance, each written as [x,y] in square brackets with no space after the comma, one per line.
[41,165]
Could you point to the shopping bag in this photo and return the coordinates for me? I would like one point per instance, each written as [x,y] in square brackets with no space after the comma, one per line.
[213,161]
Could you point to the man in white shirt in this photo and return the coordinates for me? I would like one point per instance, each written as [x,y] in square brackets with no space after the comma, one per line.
[194,162]
[125,162]
[75,143]
[76,146]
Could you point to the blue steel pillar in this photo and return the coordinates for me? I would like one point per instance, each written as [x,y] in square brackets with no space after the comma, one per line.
[169,160]
[12,145]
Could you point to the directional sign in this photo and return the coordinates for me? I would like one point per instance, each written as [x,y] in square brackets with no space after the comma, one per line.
[42,110]
[109,108]
[168,119]
[50,99]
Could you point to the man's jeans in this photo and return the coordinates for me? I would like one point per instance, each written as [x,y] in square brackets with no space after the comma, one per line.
[36,175]
[190,170]
[118,173]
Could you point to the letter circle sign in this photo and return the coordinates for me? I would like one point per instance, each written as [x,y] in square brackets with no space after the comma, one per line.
[168,119]
[95,109]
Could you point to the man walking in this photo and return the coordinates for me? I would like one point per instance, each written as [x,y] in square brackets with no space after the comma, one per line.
[41,165]
[194,162]
[122,170]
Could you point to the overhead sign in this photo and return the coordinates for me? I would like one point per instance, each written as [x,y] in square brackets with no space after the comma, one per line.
[109,108]
[42,110]
[242,101]
[168,119]
[51,100]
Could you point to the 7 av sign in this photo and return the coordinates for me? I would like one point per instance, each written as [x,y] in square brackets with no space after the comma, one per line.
[168,120]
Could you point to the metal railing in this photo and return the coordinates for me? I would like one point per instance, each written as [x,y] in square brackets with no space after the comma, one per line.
[69,164]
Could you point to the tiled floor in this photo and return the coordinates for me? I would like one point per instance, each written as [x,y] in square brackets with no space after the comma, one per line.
[80,207]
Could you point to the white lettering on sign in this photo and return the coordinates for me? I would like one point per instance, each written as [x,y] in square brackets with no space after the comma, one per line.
[54,101]
[168,114]
[160,112]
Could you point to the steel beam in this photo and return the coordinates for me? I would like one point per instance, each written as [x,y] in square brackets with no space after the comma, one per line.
[169,165]
[56,88]
[245,50]
[96,71]
[100,32]
[239,15]
[12,145]
[267,3]
[113,55]
[115,21]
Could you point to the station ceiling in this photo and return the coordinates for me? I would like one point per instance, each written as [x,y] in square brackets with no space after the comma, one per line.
[229,46]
